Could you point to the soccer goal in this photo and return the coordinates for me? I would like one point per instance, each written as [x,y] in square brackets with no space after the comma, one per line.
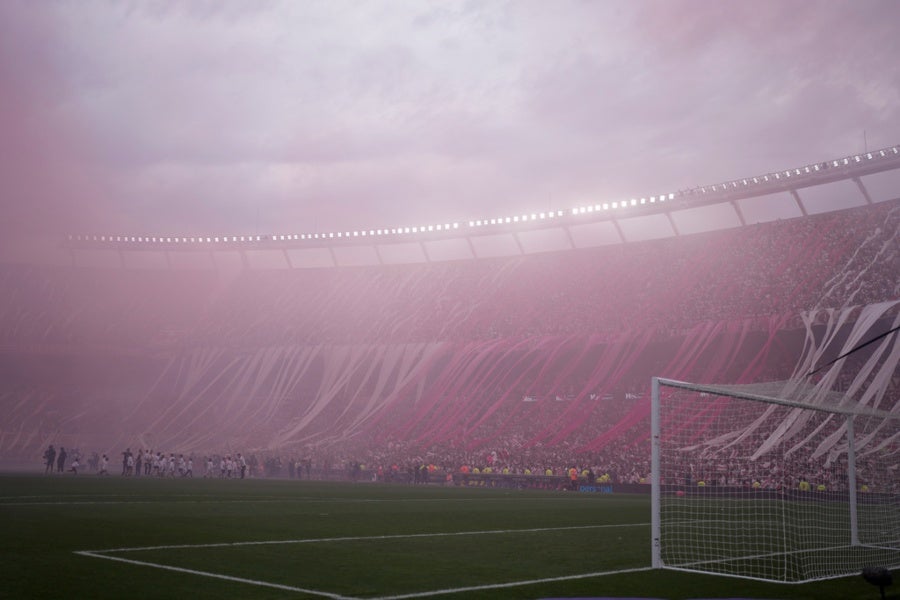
[772,482]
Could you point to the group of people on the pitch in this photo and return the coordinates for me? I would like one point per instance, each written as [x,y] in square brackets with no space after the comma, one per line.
[228,467]
[55,462]
[148,464]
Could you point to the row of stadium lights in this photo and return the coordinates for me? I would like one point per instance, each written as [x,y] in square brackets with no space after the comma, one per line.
[370,233]
[260,238]
[777,176]
[807,170]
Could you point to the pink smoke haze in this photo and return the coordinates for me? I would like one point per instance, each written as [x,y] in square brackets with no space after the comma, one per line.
[234,117]
[212,117]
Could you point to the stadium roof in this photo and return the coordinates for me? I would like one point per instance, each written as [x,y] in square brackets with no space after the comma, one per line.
[845,182]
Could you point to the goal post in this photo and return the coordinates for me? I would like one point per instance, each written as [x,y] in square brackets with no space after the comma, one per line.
[771,482]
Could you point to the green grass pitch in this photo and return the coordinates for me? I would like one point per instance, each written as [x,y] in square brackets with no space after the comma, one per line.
[203,538]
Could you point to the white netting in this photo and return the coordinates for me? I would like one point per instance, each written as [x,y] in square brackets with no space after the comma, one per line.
[783,514]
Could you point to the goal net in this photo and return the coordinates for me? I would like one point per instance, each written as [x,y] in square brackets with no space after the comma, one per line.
[776,482]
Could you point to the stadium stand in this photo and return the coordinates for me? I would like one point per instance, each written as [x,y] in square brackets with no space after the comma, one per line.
[526,363]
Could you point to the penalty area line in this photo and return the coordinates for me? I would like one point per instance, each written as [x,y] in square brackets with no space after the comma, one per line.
[495,586]
[268,584]
[106,554]
[398,536]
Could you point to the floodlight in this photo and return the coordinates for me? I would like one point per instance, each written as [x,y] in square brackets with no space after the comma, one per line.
[516,219]
[634,202]
[415,230]
[869,155]
[330,234]
[456,226]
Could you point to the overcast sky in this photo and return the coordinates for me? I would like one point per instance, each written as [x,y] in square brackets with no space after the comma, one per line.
[215,117]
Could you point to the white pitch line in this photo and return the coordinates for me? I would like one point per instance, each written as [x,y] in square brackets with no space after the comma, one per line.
[361,538]
[273,500]
[160,501]
[268,584]
[105,555]
[494,586]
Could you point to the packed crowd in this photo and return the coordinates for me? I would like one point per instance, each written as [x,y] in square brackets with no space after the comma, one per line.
[822,261]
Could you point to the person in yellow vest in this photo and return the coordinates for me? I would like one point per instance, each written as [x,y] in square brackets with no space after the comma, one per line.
[821,487]
[803,486]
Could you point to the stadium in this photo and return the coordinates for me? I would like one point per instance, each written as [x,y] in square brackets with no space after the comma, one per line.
[507,353]
[387,300]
